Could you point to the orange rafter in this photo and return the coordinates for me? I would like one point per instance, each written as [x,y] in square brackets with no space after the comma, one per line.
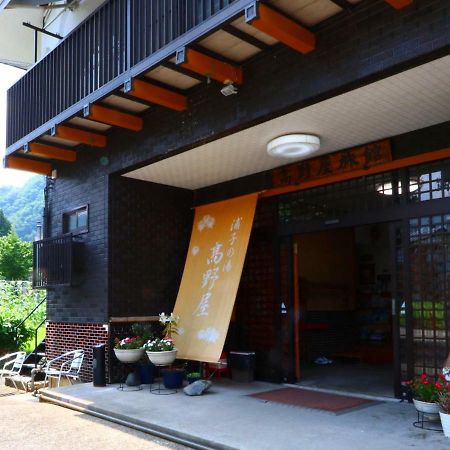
[116,118]
[211,67]
[399,4]
[283,29]
[51,152]
[30,165]
[82,136]
[392,165]
[158,95]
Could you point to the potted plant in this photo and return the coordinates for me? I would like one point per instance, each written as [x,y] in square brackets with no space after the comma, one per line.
[161,351]
[173,377]
[129,349]
[425,394]
[444,410]
[193,376]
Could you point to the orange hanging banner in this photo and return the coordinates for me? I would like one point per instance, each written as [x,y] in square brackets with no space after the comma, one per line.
[211,276]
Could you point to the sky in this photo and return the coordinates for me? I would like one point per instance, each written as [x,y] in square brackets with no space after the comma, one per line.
[8,76]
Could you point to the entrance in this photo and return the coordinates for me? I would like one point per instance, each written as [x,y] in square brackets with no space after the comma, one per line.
[344,300]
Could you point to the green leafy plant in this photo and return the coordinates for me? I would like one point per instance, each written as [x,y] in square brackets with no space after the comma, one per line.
[426,390]
[128,343]
[159,345]
[444,400]
[17,299]
[170,324]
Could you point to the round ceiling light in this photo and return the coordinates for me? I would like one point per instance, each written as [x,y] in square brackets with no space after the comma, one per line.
[293,145]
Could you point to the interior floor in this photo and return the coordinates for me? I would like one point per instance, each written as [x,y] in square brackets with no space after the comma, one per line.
[345,310]
[354,377]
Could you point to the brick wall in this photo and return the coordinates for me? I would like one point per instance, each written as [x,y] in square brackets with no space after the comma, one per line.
[64,337]
[149,231]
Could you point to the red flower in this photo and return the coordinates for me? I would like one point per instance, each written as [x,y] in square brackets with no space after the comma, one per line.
[409,382]
[423,377]
[447,387]
[425,382]
[438,385]
[441,377]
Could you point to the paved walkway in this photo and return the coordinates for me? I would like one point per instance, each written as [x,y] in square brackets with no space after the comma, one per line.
[28,424]
[227,418]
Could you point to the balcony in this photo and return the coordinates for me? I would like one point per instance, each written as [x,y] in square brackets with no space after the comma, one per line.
[56,261]
[130,55]
[121,40]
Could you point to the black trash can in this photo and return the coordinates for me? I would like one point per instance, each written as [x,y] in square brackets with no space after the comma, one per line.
[98,365]
[242,366]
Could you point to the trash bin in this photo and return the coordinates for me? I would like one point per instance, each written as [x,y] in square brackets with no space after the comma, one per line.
[242,366]
[98,365]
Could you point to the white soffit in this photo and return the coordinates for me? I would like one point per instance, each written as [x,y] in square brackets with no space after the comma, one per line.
[408,101]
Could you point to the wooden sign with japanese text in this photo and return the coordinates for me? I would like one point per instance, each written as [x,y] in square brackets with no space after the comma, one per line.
[211,276]
[358,158]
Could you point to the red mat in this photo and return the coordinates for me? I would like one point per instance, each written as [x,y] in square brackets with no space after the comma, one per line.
[312,399]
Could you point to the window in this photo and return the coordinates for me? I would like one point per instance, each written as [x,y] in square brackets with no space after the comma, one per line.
[76,220]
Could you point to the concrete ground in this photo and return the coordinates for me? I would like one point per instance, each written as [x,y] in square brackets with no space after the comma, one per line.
[226,417]
[351,376]
[27,423]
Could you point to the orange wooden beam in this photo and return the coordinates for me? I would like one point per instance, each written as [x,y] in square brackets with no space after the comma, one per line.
[82,136]
[209,67]
[158,95]
[399,4]
[113,117]
[51,152]
[282,28]
[392,165]
[29,165]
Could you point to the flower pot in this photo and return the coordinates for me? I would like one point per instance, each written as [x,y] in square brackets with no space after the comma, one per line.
[173,379]
[129,355]
[147,372]
[430,409]
[426,407]
[162,358]
[445,421]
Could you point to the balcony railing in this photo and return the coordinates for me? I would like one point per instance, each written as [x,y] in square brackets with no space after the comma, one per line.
[116,38]
[55,260]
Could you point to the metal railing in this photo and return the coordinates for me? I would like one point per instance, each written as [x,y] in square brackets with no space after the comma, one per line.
[17,328]
[52,262]
[114,39]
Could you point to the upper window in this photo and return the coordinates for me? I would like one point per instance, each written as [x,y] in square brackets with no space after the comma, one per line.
[75,221]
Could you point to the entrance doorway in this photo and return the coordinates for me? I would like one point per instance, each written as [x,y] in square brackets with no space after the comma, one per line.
[344,295]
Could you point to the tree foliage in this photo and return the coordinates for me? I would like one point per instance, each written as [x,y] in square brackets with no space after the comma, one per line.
[23,206]
[16,258]
[5,224]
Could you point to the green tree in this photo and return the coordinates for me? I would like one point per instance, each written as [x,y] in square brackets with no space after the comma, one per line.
[5,224]
[16,258]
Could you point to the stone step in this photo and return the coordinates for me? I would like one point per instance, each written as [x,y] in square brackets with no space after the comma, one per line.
[22,382]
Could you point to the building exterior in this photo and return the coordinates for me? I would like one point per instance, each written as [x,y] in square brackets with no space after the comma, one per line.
[129,120]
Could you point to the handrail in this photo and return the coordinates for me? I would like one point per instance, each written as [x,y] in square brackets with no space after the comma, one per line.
[16,329]
[35,341]
[102,51]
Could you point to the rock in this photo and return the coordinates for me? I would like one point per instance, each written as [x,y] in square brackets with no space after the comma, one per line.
[133,379]
[198,387]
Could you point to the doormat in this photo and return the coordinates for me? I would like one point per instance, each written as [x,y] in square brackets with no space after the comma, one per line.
[337,404]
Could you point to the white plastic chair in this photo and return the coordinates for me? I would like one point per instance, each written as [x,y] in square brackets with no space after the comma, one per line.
[11,365]
[69,368]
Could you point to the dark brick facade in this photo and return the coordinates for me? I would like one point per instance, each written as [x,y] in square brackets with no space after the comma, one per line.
[149,231]
[65,337]
[139,232]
